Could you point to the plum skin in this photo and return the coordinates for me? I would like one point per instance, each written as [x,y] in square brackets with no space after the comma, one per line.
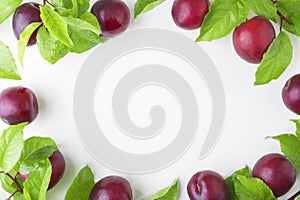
[252,38]
[23,16]
[18,104]
[276,171]
[111,188]
[189,14]
[58,165]
[207,185]
[113,16]
[291,94]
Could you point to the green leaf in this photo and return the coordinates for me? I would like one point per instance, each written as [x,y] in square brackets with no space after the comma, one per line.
[7,7]
[11,145]
[36,185]
[82,185]
[55,25]
[252,188]
[50,48]
[79,23]
[293,6]
[263,8]
[61,3]
[8,67]
[290,147]
[297,123]
[82,6]
[19,196]
[90,18]
[230,181]
[293,17]
[168,193]
[35,153]
[73,8]
[85,36]
[222,18]
[143,6]
[64,7]
[66,11]
[7,184]
[83,39]
[275,60]
[24,38]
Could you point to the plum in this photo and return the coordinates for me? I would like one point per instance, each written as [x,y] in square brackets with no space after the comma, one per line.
[18,104]
[113,16]
[252,38]
[291,94]
[58,168]
[23,16]
[189,14]
[276,171]
[111,188]
[207,185]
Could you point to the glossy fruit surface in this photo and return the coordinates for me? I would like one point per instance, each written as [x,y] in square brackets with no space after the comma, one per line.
[252,38]
[58,168]
[113,16]
[25,15]
[207,185]
[291,94]
[17,105]
[189,14]
[111,188]
[277,172]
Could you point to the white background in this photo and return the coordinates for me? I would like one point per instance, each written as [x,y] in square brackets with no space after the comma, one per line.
[252,113]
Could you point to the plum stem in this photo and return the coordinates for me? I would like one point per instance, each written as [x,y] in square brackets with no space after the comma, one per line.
[48,2]
[295,195]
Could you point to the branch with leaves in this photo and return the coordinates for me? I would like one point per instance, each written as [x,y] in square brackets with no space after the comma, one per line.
[64,28]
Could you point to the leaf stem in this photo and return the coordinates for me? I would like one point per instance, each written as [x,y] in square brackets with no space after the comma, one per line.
[294,196]
[283,18]
[15,182]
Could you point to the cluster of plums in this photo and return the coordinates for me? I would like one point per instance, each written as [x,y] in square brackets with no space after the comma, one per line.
[273,169]
[20,104]
[251,40]
[113,17]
